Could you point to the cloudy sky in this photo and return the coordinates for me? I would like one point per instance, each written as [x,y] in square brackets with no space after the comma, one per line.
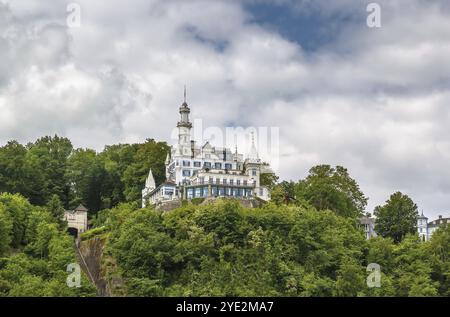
[375,100]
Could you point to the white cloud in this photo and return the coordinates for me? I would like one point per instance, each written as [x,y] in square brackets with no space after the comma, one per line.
[373,100]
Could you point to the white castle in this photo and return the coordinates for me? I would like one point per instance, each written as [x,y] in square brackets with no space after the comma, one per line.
[194,171]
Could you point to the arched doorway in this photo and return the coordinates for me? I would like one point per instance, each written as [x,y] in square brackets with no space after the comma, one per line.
[73,232]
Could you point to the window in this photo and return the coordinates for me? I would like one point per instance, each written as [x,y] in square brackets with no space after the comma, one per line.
[186,173]
[228,166]
[224,181]
[186,163]
[197,164]
[217,181]
[254,173]
[245,183]
[238,182]
[211,180]
[218,166]
[207,165]
[231,182]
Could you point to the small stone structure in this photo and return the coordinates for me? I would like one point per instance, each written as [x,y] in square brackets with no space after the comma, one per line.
[77,218]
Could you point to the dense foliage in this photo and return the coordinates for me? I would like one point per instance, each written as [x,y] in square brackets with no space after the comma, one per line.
[306,242]
[227,250]
[35,252]
[325,188]
[397,217]
[50,166]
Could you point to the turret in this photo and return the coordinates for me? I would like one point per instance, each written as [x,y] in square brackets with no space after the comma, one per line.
[184,125]
[253,164]
[422,227]
[184,128]
[253,155]
[150,181]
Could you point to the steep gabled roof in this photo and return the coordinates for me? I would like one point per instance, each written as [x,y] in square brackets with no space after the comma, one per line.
[81,208]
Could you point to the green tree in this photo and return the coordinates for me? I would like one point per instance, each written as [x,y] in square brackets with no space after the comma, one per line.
[284,193]
[18,209]
[412,274]
[350,281]
[152,155]
[332,188]
[269,180]
[439,250]
[6,227]
[46,162]
[278,195]
[397,217]
[12,168]
[56,208]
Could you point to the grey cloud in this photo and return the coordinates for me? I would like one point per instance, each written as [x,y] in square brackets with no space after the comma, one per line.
[375,101]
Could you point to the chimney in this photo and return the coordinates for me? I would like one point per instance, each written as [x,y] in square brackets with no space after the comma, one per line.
[440,216]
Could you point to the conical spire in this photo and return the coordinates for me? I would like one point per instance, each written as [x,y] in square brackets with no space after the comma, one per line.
[150,182]
[253,155]
[184,105]
[167,159]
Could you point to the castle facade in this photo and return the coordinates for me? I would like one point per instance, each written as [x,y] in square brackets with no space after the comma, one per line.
[201,171]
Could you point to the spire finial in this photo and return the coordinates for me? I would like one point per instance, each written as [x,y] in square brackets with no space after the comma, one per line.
[185,93]
[253,151]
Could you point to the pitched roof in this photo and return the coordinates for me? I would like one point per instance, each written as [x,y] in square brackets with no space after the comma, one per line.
[81,208]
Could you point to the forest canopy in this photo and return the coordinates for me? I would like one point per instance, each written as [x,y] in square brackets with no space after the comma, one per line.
[306,242]
[51,166]
[224,249]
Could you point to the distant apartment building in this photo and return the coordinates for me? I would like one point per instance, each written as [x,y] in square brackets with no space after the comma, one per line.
[368,225]
[426,229]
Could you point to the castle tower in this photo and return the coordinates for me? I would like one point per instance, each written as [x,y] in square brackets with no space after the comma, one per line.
[422,227]
[253,164]
[184,128]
